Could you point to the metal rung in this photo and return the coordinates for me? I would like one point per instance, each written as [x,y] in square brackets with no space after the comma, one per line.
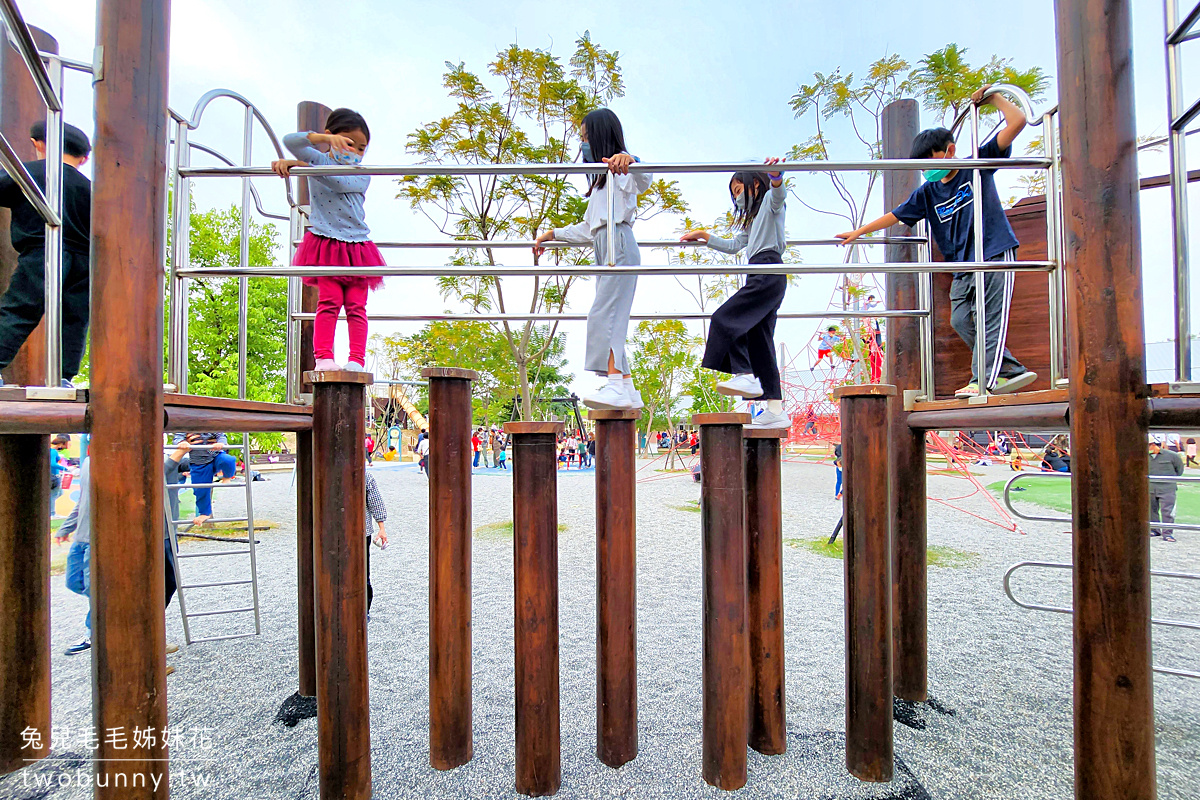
[1182,121]
[217,553]
[1181,33]
[207,521]
[210,585]
[223,638]
[181,486]
[223,611]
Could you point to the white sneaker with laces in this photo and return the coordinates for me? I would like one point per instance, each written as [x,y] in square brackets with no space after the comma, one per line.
[771,421]
[609,397]
[327,365]
[744,385]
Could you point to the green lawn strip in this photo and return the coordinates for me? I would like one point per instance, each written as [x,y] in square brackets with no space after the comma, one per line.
[1055,493]
[936,555]
[691,505]
[503,530]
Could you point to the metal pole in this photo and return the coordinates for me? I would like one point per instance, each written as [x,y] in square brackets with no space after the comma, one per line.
[250,529]
[177,353]
[1110,539]
[1177,149]
[54,233]
[925,304]
[244,253]
[1050,146]
[292,344]
[611,224]
[306,649]
[981,371]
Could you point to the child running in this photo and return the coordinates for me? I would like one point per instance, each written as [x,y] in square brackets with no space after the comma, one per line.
[947,203]
[741,335]
[337,234]
[608,319]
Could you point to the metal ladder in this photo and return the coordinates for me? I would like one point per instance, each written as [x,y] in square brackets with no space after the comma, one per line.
[173,526]
[1178,32]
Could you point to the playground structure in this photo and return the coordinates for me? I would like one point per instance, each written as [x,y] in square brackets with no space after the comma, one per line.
[1107,407]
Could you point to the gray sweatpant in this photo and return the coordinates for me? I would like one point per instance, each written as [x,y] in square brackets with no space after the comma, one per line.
[997,298]
[608,318]
[1162,504]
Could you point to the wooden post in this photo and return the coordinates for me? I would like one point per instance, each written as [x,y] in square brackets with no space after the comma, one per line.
[616,586]
[24,598]
[1114,688]
[535,553]
[128,242]
[726,679]
[20,107]
[340,572]
[306,635]
[450,742]
[906,447]
[764,542]
[310,116]
[864,415]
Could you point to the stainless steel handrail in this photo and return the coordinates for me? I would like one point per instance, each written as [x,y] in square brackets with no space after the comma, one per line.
[22,39]
[13,165]
[1170,623]
[1175,526]
[685,315]
[472,170]
[481,270]
[1018,95]
[522,244]
[258,203]
[1177,172]
[1177,34]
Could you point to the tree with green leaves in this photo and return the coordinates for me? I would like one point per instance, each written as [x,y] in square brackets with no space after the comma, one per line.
[534,118]
[702,388]
[664,357]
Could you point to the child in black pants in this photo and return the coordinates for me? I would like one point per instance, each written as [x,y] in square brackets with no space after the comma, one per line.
[23,304]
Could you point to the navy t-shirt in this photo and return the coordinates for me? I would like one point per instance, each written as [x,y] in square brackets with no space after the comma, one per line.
[950,211]
[28,230]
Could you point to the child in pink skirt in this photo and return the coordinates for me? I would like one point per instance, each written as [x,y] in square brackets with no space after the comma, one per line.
[337,234]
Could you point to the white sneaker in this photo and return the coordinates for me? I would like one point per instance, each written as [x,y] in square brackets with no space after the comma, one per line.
[635,397]
[609,397]
[771,421]
[354,366]
[327,365]
[745,385]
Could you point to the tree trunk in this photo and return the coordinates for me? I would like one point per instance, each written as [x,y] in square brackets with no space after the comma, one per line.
[526,399]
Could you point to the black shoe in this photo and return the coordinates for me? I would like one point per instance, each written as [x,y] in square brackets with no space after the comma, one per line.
[80,647]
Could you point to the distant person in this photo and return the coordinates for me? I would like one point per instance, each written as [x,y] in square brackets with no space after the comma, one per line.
[810,422]
[423,456]
[497,447]
[370,445]
[1191,453]
[210,464]
[502,455]
[377,513]
[590,449]
[24,302]
[475,445]
[58,468]
[825,344]
[946,203]
[837,463]
[1163,463]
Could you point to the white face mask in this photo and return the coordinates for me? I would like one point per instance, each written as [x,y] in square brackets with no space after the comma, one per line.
[346,158]
[739,202]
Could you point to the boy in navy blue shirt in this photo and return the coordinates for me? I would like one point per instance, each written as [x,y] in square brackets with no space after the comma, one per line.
[946,202]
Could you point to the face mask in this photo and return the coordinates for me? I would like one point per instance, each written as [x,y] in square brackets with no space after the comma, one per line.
[346,158]
[932,175]
[739,202]
[585,150]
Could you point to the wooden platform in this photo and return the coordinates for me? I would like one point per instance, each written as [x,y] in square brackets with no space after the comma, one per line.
[993,400]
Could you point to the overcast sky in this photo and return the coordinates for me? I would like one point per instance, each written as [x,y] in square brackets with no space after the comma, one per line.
[705,81]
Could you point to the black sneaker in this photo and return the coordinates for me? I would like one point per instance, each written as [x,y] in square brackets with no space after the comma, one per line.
[81,647]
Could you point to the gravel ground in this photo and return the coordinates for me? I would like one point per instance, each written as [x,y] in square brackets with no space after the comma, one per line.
[1000,675]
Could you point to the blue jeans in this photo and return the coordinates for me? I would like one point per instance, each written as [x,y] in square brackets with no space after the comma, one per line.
[79,575]
[838,489]
[223,464]
[476,464]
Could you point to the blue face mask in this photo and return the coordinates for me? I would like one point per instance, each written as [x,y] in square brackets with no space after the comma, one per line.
[932,175]
[347,158]
[585,150]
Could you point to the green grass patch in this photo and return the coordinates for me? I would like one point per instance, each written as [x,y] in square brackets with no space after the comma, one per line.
[1055,494]
[936,555]
[503,531]
[691,505]
[680,471]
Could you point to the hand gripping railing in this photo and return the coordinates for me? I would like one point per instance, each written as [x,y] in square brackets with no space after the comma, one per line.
[1171,623]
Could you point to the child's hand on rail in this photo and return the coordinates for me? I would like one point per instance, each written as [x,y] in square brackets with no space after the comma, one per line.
[619,164]
[848,236]
[546,236]
[283,166]
[695,236]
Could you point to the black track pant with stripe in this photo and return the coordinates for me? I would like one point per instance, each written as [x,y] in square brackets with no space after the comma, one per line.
[997,298]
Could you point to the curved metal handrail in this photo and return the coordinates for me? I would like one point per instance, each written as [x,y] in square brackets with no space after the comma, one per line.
[1019,96]
[1171,623]
[1174,526]
[253,191]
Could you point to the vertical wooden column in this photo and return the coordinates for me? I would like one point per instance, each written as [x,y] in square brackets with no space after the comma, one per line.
[24,597]
[865,466]
[726,662]
[20,107]
[764,584]
[450,741]
[1114,689]
[306,634]
[535,554]
[906,447]
[128,242]
[310,116]
[340,580]
[616,586]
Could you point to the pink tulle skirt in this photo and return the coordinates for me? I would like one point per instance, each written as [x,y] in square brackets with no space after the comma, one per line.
[321,251]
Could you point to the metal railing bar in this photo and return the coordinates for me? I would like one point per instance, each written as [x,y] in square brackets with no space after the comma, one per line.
[69,63]
[471,270]
[223,638]
[22,39]
[211,520]
[215,584]
[12,164]
[1182,31]
[215,553]
[1185,119]
[676,168]
[1175,526]
[262,212]
[222,611]
[686,315]
[515,244]
[178,486]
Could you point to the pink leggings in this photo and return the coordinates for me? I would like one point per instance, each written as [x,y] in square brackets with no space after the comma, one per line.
[334,294]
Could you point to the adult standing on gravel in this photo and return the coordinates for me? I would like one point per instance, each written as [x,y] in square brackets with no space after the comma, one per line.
[1165,463]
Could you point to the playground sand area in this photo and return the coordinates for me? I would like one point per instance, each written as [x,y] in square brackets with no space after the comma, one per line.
[998,726]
